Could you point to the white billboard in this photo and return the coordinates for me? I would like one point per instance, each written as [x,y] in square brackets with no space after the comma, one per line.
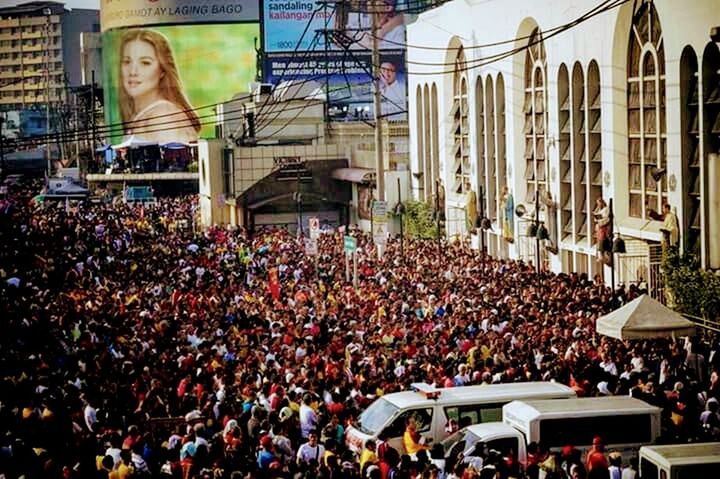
[132,13]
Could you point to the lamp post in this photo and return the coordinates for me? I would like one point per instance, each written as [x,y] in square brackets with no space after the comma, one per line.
[438,216]
[537,230]
[618,244]
[298,201]
[400,211]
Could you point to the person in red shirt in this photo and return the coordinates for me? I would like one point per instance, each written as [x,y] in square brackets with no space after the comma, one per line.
[596,458]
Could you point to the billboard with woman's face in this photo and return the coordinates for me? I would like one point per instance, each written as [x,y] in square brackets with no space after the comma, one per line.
[161,84]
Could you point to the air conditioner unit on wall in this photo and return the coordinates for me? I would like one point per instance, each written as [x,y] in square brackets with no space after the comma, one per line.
[262,90]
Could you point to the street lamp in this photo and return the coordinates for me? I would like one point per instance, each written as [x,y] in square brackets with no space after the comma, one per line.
[618,244]
[537,229]
[439,215]
[482,222]
[400,211]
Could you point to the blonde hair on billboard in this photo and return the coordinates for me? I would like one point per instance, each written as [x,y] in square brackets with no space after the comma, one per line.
[170,85]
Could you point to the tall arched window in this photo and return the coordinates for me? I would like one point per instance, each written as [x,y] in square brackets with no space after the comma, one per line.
[480,131]
[429,180]
[459,114]
[500,127]
[420,133]
[435,145]
[647,144]
[535,109]
[711,144]
[690,125]
[490,182]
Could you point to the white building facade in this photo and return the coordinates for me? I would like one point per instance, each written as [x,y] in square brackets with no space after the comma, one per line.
[588,99]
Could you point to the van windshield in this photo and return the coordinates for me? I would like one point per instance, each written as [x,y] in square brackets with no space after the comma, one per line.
[376,416]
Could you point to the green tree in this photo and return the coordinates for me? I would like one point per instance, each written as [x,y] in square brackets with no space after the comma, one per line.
[418,220]
[692,290]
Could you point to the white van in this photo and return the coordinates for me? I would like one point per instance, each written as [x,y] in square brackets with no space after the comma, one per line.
[680,461]
[624,423]
[433,408]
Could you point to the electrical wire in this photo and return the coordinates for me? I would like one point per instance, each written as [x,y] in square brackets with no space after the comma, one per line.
[404,45]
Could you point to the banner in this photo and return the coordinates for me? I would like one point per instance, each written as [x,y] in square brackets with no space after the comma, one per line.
[133,13]
[161,83]
[343,55]
[274,283]
[348,79]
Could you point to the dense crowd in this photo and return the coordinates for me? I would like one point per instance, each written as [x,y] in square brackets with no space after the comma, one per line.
[133,346]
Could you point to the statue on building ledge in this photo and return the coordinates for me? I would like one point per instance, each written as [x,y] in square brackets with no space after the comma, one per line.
[671,226]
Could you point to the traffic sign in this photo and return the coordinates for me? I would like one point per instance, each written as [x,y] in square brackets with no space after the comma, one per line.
[314,227]
[311,247]
[350,244]
[379,211]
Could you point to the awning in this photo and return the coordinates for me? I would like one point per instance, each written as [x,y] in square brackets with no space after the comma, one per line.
[175,145]
[134,142]
[354,175]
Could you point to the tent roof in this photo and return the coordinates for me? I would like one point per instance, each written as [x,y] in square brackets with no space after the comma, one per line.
[644,317]
[133,142]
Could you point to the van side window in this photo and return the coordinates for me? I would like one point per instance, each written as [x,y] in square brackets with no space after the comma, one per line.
[423,419]
[474,414]
[648,469]
[618,429]
[504,446]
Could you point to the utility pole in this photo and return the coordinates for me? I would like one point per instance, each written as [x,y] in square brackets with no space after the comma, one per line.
[379,160]
[47,13]
[92,112]
[2,147]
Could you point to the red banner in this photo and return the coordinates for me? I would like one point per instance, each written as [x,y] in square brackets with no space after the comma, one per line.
[274,283]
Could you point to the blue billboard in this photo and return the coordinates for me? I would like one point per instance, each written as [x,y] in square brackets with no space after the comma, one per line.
[304,40]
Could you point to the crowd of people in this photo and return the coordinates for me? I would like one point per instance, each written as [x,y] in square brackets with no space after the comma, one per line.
[134,346]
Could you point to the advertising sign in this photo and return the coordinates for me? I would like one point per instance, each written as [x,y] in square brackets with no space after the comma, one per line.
[343,62]
[133,13]
[161,84]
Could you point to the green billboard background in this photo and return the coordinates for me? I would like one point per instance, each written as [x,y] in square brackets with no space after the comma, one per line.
[215,62]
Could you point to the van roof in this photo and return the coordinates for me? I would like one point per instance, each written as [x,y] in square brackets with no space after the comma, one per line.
[531,409]
[486,393]
[682,454]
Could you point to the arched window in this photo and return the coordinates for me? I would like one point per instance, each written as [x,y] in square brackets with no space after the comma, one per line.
[500,127]
[711,144]
[429,180]
[491,179]
[480,131]
[690,125]
[435,146]
[420,133]
[459,114]
[647,144]
[535,109]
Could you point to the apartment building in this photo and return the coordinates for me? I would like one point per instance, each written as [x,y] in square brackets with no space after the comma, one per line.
[37,37]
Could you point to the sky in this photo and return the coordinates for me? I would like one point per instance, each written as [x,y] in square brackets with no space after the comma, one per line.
[68,3]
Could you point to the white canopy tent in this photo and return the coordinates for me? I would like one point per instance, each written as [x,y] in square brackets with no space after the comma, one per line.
[134,142]
[643,318]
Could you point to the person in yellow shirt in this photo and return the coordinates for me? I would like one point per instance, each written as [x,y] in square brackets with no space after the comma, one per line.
[412,440]
[368,455]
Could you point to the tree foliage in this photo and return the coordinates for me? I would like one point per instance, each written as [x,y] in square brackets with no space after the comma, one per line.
[418,220]
[693,290]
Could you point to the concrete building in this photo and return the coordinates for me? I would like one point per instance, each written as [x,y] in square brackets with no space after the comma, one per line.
[30,41]
[623,104]
[295,166]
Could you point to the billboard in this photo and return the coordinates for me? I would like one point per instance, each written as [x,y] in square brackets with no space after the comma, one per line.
[161,84]
[341,60]
[134,13]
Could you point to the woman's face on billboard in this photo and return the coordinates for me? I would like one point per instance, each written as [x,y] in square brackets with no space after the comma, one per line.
[141,72]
